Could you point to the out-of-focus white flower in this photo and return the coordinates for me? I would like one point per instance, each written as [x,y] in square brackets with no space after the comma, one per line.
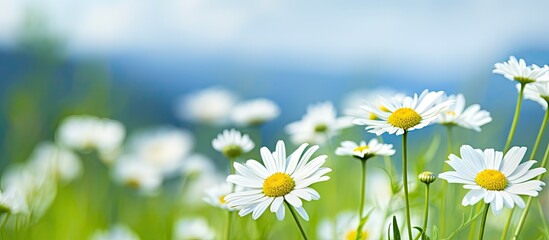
[215,196]
[211,106]
[12,201]
[197,165]
[355,99]
[199,174]
[193,228]
[232,143]
[363,150]
[130,171]
[318,125]
[538,92]
[518,71]
[89,132]
[379,183]
[346,224]
[62,163]
[37,187]
[254,112]
[404,114]
[471,117]
[162,148]
[116,232]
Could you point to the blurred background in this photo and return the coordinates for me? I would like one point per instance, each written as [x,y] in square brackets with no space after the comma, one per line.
[132,60]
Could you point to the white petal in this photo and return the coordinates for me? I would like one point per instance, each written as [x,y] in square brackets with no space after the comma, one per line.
[293,200]
[303,213]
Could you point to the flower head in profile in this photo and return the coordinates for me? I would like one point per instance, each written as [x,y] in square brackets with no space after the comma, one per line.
[355,99]
[496,178]
[89,132]
[404,114]
[163,148]
[232,143]
[254,112]
[132,172]
[318,125]
[215,196]
[282,179]
[117,232]
[471,117]
[193,228]
[537,92]
[209,106]
[516,70]
[365,151]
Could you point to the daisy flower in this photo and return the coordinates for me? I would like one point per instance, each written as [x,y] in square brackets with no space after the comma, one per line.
[215,196]
[537,92]
[254,112]
[91,133]
[193,228]
[61,163]
[353,101]
[116,232]
[363,150]
[404,114]
[211,106]
[164,148]
[232,143]
[457,115]
[518,71]
[282,179]
[496,178]
[318,125]
[129,171]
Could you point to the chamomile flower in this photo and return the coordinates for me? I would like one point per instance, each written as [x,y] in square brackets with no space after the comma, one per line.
[89,133]
[129,171]
[363,150]
[282,179]
[163,148]
[318,125]
[518,71]
[116,232]
[254,112]
[232,143]
[60,162]
[215,196]
[353,101]
[457,115]
[496,178]
[193,228]
[404,114]
[211,106]
[538,92]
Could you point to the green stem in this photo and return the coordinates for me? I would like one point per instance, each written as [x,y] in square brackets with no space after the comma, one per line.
[530,199]
[405,182]
[515,119]
[540,134]
[483,222]
[449,135]
[230,213]
[426,215]
[362,196]
[296,221]
[445,184]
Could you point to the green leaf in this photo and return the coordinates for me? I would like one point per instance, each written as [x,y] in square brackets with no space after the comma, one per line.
[396,232]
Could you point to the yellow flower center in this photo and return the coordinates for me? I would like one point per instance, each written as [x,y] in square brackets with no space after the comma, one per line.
[451,113]
[321,128]
[278,184]
[351,235]
[232,151]
[133,182]
[491,179]
[361,148]
[222,199]
[404,118]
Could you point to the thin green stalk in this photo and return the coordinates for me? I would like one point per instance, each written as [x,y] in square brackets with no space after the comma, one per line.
[5,221]
[445,184]
[540,134]
[530,199]
[297,221]
[425,215]
[450,138]
[483,222]
[362,196]
[405,182]
[507,146]
[230,213]
[474,209]
[515,119]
